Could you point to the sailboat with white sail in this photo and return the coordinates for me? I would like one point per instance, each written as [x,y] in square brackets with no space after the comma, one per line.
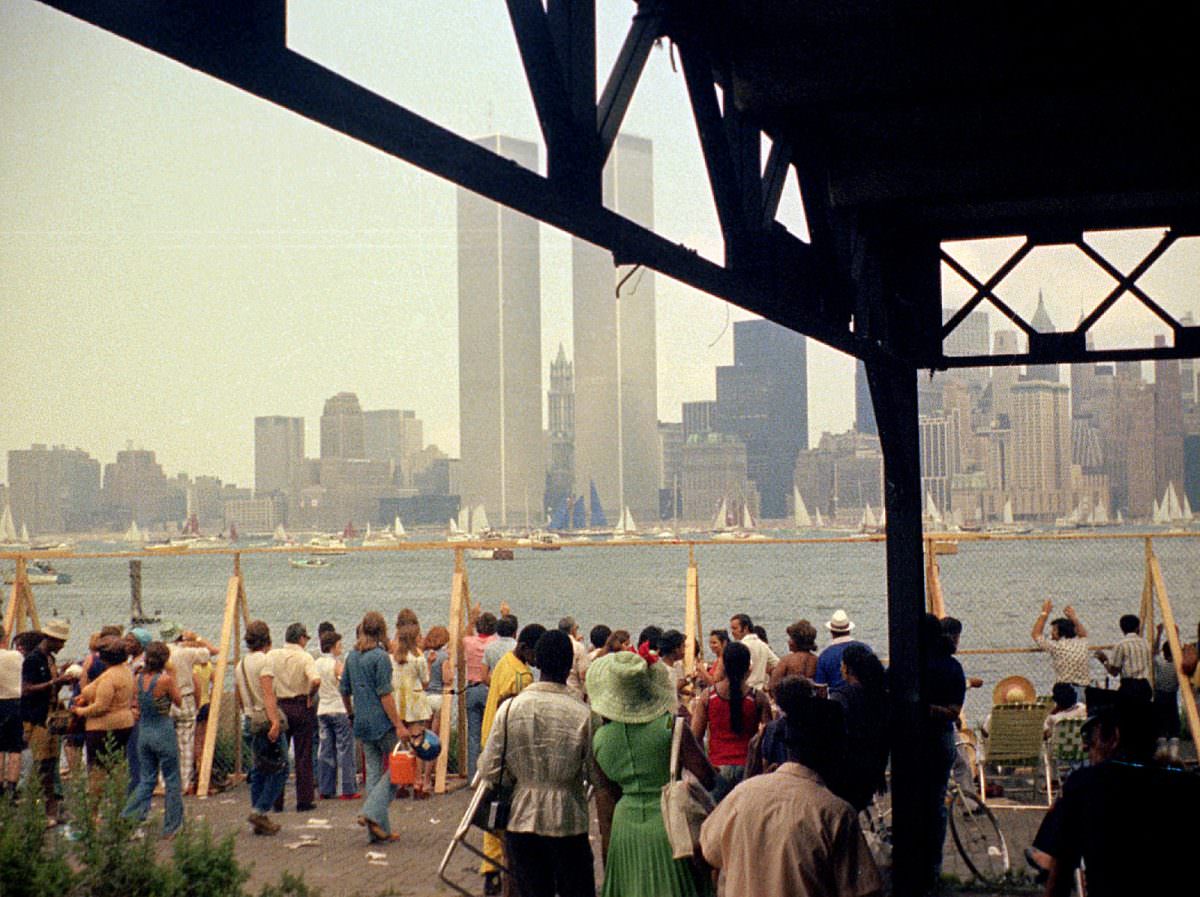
[626,528]
[8,532]
[800,512]
[134,534]
[1007,525]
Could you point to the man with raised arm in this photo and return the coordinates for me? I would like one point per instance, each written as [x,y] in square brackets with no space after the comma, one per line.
[1067,646]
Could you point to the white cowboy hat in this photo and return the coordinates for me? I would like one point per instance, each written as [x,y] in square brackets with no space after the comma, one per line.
[839,623]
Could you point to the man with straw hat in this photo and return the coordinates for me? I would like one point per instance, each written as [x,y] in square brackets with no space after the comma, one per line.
[40,682]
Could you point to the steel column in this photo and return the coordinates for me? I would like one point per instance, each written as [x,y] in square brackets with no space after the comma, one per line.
[894,394]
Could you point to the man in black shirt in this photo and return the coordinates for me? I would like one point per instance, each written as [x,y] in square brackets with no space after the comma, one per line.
[40,682]
[943,689]
[1115,814]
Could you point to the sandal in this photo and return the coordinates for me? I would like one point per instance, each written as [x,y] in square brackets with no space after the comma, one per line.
[375,831]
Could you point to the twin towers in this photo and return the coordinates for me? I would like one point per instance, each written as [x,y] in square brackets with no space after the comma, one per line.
[500,352]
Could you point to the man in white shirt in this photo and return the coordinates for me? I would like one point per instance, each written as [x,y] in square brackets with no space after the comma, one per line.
[785,832]
[541,740]
[762,658]
[255,682]
[188,650]
[296,683]
[1131,659]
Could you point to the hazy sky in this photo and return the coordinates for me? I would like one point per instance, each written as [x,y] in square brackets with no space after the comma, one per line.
[177,257]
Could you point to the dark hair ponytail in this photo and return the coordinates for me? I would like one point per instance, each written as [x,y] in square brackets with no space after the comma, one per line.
[736,660]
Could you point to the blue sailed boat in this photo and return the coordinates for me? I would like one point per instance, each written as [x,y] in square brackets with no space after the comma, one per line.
[597,518]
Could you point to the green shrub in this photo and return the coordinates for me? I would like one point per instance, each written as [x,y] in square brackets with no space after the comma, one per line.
[206,867]
[32,860]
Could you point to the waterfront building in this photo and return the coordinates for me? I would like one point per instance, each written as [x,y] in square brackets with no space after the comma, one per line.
[670,469]
[348,493]
[279,468]
[393,434]
[135,488]
[970,337]
[864,408]
[1128,445]
[936,468]
[342,427]
[251,515]
[560,437]
[698,418]
[841,476]
[441,476]
[53,490]
[500,350]
[613,327]
[206,499]
[762,398]
[713,470]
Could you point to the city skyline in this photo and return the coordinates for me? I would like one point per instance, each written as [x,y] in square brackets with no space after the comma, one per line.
[162,289]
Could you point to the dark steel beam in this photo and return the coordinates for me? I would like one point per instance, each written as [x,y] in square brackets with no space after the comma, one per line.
[576,161]
[544,72]
[779,160]
[645,29]
[1187,345]
[894,395]
[254,59]
[1128,282]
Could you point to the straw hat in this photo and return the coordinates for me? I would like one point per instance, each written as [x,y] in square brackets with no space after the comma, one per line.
[840,623]
[622,687]
[56,628]
[1014,690]
[170,632]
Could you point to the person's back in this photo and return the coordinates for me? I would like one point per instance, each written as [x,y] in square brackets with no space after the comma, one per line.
[1117,817]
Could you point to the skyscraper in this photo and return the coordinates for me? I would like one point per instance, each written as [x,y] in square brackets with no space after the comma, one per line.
[970,337]
[1041,448]
[762,398]
[342,428]
[616,379]
[1041,322]
[278,455]
[54,490]
[1168,424]
[500,351]
[560,405]
[1004,378]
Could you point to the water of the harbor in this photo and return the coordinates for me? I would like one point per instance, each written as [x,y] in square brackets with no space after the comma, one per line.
[995,587]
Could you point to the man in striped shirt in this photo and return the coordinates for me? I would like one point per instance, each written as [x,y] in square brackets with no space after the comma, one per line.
[1130,659]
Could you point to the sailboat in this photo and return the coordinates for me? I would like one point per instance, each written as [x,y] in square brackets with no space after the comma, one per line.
[454,532]
[8,532]
[799,511]
[868,524]
[933,515]
[134,535]
[721,518]
[398,530]
[626,528]
[597,519]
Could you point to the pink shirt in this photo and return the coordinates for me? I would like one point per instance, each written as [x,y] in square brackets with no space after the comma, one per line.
[473,646]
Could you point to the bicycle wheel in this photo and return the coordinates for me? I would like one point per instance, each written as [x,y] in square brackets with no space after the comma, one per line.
[978,837]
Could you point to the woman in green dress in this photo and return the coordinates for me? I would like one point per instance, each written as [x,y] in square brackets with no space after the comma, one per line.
[633,693]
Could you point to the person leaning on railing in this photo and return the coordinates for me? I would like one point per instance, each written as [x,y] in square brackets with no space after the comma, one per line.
[1067,646]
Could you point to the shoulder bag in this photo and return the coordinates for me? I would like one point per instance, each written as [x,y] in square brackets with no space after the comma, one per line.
[685,803]
[493,811]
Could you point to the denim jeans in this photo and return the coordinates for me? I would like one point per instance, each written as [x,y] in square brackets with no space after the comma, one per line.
[476,704]
[157,750]
[937,762]
[380,789]
[336,754]
[727,779]
[269,771]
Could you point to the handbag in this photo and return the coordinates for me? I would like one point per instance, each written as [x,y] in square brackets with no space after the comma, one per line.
[685,803]
[493,811]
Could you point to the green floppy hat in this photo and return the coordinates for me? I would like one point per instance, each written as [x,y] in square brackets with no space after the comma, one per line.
[622,687]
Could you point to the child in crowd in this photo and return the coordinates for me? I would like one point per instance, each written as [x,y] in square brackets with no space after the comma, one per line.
[336,751]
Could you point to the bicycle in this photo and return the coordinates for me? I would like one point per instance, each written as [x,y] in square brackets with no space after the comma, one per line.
[973,828]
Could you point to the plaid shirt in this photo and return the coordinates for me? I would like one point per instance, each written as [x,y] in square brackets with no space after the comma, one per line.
[1131,656]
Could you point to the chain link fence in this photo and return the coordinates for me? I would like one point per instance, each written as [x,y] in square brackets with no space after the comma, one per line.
[995,585]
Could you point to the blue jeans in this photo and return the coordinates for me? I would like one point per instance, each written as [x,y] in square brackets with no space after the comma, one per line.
[476,704]
[268,773]
[727,779]
[336,753]
[131,756]
[937,763]
[380,789]
[157,750]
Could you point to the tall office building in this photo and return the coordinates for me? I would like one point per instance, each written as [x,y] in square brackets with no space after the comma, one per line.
[53,490]
[500,351]
[391,434]
[1006,342]
[970,337]
[1041,322]
[342,427]
[616,378]
[1041,449]
[278,455]
[699,418]
[560,405]
[1168,424]
[135,488]
[762,398]
[864,408]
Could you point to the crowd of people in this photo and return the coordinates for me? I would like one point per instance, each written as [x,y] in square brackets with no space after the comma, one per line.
[785,750]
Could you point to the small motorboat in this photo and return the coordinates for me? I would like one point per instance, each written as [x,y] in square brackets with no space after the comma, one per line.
[39,573]
[309,563]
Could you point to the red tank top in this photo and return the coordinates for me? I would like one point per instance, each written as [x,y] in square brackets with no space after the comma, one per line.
[726,747]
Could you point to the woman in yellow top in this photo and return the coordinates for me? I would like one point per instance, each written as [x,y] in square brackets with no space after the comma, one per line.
[106,705]
[410,675]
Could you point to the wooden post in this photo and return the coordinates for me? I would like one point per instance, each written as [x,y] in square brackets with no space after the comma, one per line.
[1146,610]
[20,603]
[1168,615]
[691,613]
[235,596]
[460,602]
[935,599]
